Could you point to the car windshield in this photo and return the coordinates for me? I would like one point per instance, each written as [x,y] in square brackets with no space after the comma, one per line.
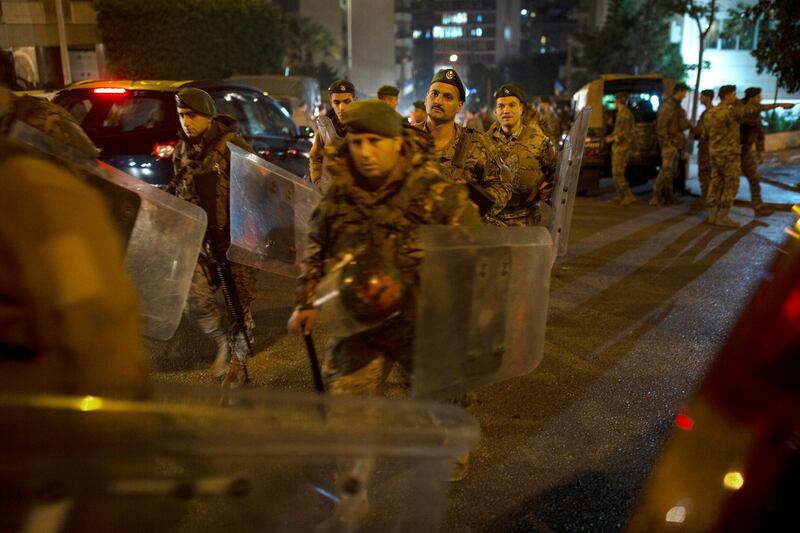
[257,115]
[644,99]
[127,112]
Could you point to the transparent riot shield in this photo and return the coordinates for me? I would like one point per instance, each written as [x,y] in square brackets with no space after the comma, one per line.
[163,234]
[482,306]
[569,169]
[270,209]
[200,459]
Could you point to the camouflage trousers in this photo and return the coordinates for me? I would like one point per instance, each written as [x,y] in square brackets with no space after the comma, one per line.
[724,184]
[619,164]
[670,158]
[703,170]
[202,307]
[750,171]
[360,365]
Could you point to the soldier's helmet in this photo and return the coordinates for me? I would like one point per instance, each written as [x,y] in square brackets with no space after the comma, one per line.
[372,290]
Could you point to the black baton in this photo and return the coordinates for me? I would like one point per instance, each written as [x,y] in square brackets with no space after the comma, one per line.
[316,375]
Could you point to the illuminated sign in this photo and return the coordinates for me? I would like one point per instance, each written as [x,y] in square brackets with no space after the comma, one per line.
[454,18]
[447,32]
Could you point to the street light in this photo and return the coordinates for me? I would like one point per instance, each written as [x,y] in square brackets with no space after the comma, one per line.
[453,58]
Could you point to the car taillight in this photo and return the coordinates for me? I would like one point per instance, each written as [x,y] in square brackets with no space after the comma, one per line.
[110,90]
[291,151]
[164,150]
[263,153]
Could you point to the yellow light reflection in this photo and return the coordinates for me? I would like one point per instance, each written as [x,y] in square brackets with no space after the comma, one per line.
[676,515]
[733,480]
[90,403]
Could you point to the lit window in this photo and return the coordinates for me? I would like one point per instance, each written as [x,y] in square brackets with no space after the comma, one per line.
[479,18]
[447,32]
[416,34]
[454,18]
[543,40]
[524,12]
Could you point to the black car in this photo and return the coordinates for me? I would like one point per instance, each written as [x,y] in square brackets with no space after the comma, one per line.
[135,123]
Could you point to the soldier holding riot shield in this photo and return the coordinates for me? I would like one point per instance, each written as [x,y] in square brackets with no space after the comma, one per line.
[202,164]
[364,233]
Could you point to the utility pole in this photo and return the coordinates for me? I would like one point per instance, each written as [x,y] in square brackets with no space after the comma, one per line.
[62,42]
[349,39]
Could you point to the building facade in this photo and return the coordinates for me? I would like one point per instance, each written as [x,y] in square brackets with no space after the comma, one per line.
[34,54]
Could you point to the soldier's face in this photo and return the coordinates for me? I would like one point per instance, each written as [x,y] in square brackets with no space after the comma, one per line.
[374,155]
[194,124]
[679,96]
[757,98]
[391,100]
[419,115]
[442,103]
[508,111]
[705,100]
[341,102]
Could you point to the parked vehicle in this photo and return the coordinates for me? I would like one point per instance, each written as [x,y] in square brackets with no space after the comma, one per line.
[645,92]
[135,125]
[286,89]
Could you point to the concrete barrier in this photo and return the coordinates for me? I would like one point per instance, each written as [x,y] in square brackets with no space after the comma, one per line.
[782,141]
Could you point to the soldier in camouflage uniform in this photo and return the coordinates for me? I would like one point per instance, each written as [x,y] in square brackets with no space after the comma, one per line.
[703,155]
[671,121]
[527,152]
[386,184]
[343,94]
[752,136]
[466,156]
[203,148]
[622,137]
[549,121]
[722,123]
[46,117]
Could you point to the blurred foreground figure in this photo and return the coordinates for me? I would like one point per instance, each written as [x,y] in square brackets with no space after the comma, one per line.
[68,316]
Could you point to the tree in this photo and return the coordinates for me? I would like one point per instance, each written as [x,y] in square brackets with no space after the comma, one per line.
[703,13]
[191,39]
[778,48]
[308,43]
[634,39]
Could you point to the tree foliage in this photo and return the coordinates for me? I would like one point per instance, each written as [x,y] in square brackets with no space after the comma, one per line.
[778,47]
[634,39]
[191,39]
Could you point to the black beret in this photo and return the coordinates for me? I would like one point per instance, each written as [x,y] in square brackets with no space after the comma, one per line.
[726,90]
[341,86]
[752,91]
[388,90]
[680,87]
[511,89]
[372,116]
[622,96]
[450,77]
[707,93]
[197,100]
[419,104]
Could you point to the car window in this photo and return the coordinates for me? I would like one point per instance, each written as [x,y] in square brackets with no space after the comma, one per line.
[133,111]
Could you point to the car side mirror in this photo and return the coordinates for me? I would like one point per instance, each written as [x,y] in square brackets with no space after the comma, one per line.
[306,132]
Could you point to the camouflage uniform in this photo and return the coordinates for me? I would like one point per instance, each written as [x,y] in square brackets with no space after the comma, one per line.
[69,321]
[531,159]
[703,155]
[211,154]
[481,166]
[45,116]
[722,123]
[751,135]
[670,123]
[350,219]
[624,129]
[317,169]
[551,125]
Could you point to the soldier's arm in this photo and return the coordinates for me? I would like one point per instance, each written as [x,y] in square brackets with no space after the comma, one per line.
[549,163]
[176,157]
[768,107]
[84,315]
[315,157]
[495,176]
[313,260]
[683,120]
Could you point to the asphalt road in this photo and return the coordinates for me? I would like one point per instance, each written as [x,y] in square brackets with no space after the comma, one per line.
[638,308]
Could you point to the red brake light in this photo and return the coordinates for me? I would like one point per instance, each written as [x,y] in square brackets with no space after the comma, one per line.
[684,422]
[110,90]
[164,150]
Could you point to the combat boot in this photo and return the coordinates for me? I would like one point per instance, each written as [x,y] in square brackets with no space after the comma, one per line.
[712,215]
[655,200]
[237,375]
[669,198]
[628,198]
[220,366]
[762,210]
[724,220]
